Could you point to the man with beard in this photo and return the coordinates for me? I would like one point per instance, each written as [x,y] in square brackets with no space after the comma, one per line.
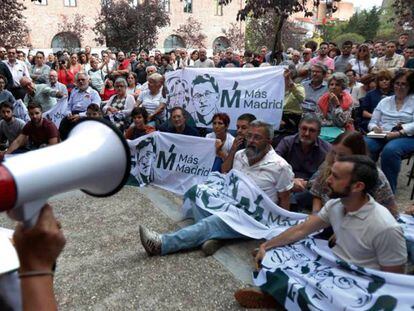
[259,161]
[203,61]
[323,56]
[239,143]
[123,66]
[305,152]
[10,127]
[38,132]
[367,234]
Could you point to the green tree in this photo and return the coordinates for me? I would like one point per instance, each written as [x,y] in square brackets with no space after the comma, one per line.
[282,10]
[13,27]
[191,33]
[127,24]
[404,13]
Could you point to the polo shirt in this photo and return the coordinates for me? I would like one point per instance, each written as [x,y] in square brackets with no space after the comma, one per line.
[152,102]
[304,165]
[39,136]
[369,237]
[80,100]
[312,95]
[341,63]
[272,173]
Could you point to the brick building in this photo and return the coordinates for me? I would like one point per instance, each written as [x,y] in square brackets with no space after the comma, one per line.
[44,18]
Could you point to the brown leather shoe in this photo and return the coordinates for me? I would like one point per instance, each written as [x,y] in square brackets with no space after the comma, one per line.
[256,299]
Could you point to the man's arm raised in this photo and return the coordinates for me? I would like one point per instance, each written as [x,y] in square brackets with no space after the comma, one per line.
[291,235]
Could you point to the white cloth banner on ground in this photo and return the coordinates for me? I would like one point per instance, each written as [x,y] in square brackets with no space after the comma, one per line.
[305,275]
[58,112]
[171,161]
[206,91]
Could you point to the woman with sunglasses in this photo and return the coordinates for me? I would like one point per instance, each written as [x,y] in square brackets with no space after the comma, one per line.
[362,63]
[394,117]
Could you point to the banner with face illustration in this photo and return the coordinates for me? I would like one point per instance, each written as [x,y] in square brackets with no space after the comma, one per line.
[171,161]
[202,92]
[305,275]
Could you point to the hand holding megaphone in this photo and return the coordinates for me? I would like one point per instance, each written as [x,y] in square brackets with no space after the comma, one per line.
[95,158]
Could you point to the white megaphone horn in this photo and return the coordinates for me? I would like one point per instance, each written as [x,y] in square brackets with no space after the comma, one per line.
[95,158]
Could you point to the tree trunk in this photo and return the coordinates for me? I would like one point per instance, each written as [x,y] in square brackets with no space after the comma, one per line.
[277,51]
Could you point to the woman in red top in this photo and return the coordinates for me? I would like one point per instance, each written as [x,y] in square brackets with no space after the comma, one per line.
[65,76]
[75,67]
[108,89]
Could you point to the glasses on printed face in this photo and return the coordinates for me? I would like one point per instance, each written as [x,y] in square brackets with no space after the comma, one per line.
[205,95]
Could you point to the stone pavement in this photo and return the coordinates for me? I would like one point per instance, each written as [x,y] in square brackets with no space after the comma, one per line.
[104,266]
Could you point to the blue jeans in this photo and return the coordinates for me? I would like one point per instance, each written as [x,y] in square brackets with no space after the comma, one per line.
[206,227]
[392,152]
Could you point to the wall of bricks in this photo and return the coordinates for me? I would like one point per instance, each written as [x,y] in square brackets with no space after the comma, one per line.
[43,20]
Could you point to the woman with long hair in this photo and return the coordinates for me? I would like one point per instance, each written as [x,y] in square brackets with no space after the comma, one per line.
[348,143]
[362,63]
[134,88]
[65,76]
[74,65]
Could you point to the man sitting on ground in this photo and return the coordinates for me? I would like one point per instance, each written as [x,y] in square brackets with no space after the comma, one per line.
[305,152]
[366,233]
[10,127]
[259,161]
[239,143]
[39,132]
[179,125]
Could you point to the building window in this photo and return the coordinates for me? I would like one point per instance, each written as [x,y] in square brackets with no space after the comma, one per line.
[188,6]
[173,42]
[219,8]
[69,2]
[166,5]
[41,2]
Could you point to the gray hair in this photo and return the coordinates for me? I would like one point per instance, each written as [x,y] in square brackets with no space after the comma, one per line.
[321,66]
[311,118]
[268,127]
[156,77]
[341,78]
[150,67]
[83,73]
[122,81]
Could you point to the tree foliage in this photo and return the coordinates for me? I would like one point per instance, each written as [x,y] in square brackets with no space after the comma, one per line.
[282,9]
[76,25]
[235,35]
[365,23]
[191,33]
[126,25]
[258,30]
[404,12]
[13,27]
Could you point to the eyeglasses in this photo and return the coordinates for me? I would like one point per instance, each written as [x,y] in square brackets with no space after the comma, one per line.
[254,137]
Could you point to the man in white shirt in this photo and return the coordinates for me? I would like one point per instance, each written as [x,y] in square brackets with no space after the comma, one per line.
[18,70]
[260,162]
[366,233]
[203,61]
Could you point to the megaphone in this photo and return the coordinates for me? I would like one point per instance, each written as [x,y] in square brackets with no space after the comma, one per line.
[95,158]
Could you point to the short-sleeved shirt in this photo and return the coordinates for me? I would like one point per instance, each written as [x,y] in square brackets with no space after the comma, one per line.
[11,129]
[39,136]
[227,144]
[381,192]
[80,100]
[312,95]
[152,102]
[369,237]
[272,174]
[342,62]
[327,61]
[304,165]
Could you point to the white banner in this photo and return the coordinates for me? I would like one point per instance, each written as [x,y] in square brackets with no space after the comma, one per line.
[58,112]
[171,161]
[305,275]
[206,91]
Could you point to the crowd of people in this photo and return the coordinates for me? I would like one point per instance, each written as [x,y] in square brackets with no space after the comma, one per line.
[338,101]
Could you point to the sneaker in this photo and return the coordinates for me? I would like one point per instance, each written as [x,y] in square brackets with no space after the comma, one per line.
[209,247]
[252,298]
[151,241]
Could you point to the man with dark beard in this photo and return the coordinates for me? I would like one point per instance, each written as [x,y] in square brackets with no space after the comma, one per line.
[38,132]
[367,234]
[259,161]
[305,152]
